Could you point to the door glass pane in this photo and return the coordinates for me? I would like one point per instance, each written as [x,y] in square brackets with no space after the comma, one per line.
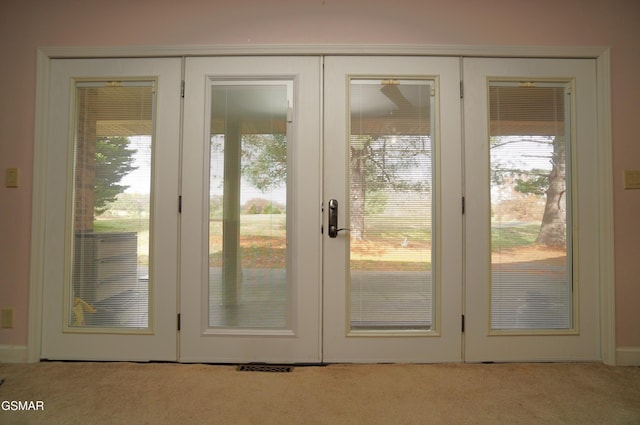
[531,282]
[111,199]
[248,285]
[391,205]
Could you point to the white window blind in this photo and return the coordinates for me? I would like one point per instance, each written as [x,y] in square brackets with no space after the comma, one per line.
[112,205]
[248,250]
[391,163]
[531,266]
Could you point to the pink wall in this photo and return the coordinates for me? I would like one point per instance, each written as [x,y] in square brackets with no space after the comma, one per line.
[28,24]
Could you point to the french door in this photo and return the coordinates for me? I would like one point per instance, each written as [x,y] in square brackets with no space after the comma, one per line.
[252,260]
[392,173]
[110,263]
[531,244]
[328,209]
[251,273]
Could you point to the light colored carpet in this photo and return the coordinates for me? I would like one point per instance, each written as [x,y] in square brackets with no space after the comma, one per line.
[129,393]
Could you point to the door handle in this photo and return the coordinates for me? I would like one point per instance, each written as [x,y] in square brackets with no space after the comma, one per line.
[333,219]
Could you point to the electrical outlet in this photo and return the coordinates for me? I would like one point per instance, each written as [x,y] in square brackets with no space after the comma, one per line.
[6,318]
[632,179]
[11,177]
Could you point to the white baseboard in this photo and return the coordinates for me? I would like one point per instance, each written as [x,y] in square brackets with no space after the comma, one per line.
[13,353]
[625,356]
[628,356]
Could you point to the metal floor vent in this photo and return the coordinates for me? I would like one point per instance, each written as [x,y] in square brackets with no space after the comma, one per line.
[264,368]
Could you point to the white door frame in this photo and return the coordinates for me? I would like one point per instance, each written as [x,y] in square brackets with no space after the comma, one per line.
[605,178]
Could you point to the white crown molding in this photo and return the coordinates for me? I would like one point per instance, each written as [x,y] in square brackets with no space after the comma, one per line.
[322,49]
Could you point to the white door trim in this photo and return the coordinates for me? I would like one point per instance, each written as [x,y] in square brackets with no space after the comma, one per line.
[587,52]
[605,177]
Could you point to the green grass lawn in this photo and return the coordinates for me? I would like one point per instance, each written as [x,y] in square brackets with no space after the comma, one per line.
[513,236]
[263,239]
[120,225]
